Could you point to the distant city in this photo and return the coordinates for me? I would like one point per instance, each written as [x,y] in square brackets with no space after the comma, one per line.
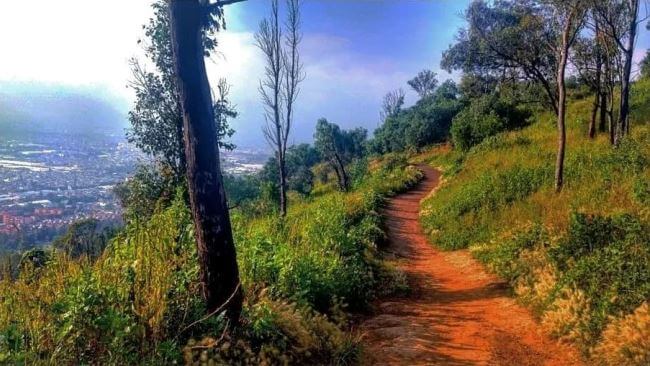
[52,180]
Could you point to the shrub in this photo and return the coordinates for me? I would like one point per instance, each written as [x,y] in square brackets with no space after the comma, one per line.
[484,117]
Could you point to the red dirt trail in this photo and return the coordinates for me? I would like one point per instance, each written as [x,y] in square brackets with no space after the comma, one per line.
[456,313]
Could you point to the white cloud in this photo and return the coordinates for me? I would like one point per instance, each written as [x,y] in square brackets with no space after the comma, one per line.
[72,42]
[340,85]
[88,43]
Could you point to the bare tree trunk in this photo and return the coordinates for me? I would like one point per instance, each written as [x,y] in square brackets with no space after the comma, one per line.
[345,184]
[627,72]
[561,106]
[216,250]
[279,89]
[181,154]
[282,169]
[594,115]
[599,87]
[602,124]
[339,178]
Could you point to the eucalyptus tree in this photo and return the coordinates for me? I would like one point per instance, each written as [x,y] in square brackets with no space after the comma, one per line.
[620,19]
[522,40]
[506,41]
[567,17]
[392,104]
[339,148]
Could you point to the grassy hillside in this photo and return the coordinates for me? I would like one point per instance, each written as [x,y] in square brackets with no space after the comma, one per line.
[140,304]
[580,258]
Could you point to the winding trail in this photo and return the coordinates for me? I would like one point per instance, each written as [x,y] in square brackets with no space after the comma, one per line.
[456,312]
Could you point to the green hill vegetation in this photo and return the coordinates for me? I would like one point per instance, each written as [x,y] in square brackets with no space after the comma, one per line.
[581,258]
[273,268]
[140,301]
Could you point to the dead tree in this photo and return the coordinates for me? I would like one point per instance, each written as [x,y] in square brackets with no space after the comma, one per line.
[279,89]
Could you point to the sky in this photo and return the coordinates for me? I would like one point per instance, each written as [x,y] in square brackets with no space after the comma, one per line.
[354,52]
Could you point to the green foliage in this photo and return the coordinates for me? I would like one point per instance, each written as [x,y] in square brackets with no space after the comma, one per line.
[475,201]
[34,259]
[150,187]
[427,122]
[84,238]
[645,66]
[424,83]
[241,189]
[486,116]
[338,148]
[609,259]
[140,302]
[578,258]
[507,39]
[299,161]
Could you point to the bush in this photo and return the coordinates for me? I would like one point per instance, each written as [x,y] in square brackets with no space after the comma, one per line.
[484,117]
[425,123]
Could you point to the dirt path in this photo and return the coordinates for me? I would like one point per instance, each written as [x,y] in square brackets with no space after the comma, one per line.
[457,313]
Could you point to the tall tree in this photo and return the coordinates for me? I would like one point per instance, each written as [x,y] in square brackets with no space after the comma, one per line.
[156,118]
[424,83]
[588,60]
[569,16]
[522,41]
[620,19]
[392,104]
[280,87]
[339,148]
[213,233]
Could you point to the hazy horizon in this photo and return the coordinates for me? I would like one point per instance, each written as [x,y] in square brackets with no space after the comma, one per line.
[354,53]
[352,59]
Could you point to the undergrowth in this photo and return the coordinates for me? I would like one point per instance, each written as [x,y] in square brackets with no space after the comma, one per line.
[139,303]
[580,258]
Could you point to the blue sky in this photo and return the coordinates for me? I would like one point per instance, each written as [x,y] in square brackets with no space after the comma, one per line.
[354,52]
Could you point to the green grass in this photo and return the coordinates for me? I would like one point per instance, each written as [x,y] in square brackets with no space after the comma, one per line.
[140,303]
[593,237]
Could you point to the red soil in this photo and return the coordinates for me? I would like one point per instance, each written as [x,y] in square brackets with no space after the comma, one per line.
[457,313]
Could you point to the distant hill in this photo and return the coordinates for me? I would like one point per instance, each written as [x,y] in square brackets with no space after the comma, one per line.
[43,108]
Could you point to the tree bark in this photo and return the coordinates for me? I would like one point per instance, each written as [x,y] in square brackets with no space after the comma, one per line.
[561,104]
[345,184]
[624,121]
[216,250]
[282,168]
[594,115]
[598,86]
[339,178]
[602,124]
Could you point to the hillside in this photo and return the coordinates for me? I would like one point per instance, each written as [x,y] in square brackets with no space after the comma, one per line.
[580,259]
[140,303]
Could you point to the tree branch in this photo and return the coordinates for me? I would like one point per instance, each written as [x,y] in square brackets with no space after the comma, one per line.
[221,3]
